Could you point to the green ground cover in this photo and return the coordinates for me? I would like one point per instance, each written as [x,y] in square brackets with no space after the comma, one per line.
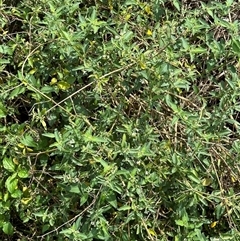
[119,120]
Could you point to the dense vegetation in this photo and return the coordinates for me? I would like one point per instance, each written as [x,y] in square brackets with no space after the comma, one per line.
[119,120]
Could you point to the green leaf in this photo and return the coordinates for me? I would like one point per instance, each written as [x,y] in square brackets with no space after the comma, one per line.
[199,234]
[180,223]
[94,14]
[57,135]
[194,178]
[74,189]
[124,208]
[17,91]
[16,193]
[182,84]
[223,23]
[124,143]
[27,140]
[8,164]
[8,228]
[67,36]
[130,2]
[229,3]
[83,199]
[50,135]
[171,104]
[111,198]
[88,137]
[176,5]
[3,110]
[226,236]
[11,183]
[4,49]
[128,36]
[185,43]
[78,223]
[236,46]
[144,151]
[105,165]
[4,61]
[47,89]
[23,173]
[198,50]
[219,210]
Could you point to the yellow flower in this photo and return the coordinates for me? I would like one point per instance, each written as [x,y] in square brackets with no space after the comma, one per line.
[148,10]
[142,65]
[127,17]
[213,224]
[53,81]
[63,85]
[149,32]
[32,71]
[26,200]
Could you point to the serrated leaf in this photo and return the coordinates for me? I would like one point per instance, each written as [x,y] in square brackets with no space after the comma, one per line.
[4,49]
[8,164]
[27,140]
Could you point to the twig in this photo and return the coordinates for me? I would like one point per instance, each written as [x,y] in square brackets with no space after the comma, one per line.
[84,87]
[74,218]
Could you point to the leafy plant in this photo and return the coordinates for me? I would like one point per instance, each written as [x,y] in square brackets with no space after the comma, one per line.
[119,120]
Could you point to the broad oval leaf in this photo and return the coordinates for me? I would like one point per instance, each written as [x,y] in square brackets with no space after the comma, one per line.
[8,164]
[11,183]
[23,173]
[8,228]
